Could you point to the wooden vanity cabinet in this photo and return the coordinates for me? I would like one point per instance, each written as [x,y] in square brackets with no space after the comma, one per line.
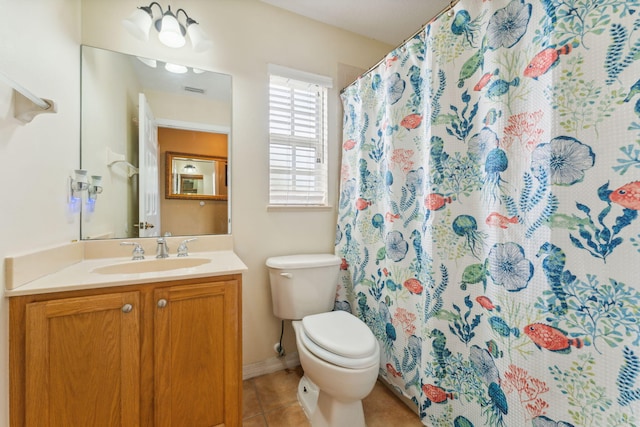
[163,354]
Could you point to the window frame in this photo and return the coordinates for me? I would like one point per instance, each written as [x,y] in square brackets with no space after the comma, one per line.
[300,134]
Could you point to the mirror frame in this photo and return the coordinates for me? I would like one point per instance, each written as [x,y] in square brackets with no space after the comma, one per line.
[169,176]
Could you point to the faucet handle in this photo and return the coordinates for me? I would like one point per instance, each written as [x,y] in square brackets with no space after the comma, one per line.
[138,252]
[183,250]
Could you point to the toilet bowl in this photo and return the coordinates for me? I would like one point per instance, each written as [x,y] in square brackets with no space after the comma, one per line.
[339,388]
[339,354]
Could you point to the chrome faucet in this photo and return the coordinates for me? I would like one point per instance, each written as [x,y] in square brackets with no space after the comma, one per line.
[163,249]
[138,252]
[183,250]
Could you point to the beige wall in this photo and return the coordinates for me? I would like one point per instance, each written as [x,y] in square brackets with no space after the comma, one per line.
[39,47]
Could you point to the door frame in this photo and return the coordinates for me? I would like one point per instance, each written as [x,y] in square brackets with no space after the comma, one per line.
[209,128]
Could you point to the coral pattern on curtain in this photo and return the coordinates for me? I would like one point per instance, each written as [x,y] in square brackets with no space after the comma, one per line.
[488,215]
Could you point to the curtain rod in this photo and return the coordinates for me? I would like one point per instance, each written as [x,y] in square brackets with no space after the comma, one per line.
[450,6]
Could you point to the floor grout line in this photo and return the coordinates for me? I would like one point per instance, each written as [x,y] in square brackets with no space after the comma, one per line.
[255,390]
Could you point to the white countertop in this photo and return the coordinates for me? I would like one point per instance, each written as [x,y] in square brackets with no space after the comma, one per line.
[81,276]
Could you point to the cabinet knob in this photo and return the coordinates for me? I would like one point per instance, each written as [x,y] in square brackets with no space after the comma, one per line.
[162,303]
[127,308]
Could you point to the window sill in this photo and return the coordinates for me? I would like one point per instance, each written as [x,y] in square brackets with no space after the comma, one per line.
[299,208]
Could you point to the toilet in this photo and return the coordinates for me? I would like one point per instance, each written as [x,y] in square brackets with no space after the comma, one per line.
[338,352]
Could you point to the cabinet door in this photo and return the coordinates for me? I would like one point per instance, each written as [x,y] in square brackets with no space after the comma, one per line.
[83,361]
[197,355]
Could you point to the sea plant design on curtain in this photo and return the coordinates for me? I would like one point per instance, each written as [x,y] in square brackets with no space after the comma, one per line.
[488,215]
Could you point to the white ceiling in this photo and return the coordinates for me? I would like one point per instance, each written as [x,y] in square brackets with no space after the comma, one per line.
[389,21]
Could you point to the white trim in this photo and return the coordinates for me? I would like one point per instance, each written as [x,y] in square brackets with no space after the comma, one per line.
[299,208]
[290,73]
[271,365]
[203,127]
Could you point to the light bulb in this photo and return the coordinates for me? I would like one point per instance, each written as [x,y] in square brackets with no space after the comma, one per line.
[170,32]
[199,40]
[139,23]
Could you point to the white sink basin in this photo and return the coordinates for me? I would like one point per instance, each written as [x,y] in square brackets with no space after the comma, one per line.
[151,265]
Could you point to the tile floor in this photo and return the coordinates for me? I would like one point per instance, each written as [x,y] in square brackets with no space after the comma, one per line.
[270,401]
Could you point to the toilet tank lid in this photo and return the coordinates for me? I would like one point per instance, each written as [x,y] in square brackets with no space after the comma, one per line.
[303,261]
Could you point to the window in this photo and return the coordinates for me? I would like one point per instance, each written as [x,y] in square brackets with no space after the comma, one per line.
[297,138]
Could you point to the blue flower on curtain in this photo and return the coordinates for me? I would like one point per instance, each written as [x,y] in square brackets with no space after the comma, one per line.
[565,158]
[508,266]
[415,180]
[395,88]
[396,246]
[486,368]
[508,25]
[481,143]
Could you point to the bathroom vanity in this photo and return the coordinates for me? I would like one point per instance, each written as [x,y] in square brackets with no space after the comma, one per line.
[156,348]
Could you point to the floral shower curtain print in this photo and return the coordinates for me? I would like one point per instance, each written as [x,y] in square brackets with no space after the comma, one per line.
[490,189]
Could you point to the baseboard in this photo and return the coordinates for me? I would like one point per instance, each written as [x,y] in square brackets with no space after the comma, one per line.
[268,366]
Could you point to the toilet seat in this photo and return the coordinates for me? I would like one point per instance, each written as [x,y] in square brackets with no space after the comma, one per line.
[340,338]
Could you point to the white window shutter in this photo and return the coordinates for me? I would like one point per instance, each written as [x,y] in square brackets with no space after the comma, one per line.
[297,139]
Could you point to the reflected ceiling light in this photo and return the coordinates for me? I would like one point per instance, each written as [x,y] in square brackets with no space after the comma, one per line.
[171,32]
[148,62]
[172,68]
[175,68]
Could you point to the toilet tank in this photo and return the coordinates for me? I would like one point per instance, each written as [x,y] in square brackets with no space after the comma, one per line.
[303,284]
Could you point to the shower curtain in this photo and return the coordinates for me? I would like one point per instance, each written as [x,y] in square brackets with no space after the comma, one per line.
[488,215]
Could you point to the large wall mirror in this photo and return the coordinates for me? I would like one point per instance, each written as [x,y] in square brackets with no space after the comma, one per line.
[136,114]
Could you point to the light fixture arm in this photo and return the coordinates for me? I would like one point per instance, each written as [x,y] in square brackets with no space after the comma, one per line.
[148,8]
[185,14]
[189,20]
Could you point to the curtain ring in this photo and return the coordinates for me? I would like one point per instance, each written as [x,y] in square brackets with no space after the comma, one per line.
[450,11]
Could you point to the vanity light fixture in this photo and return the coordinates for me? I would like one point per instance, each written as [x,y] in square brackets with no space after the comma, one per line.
[189,169]
[171,32]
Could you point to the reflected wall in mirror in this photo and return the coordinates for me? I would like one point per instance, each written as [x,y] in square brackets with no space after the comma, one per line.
[195,176]
[133,112]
